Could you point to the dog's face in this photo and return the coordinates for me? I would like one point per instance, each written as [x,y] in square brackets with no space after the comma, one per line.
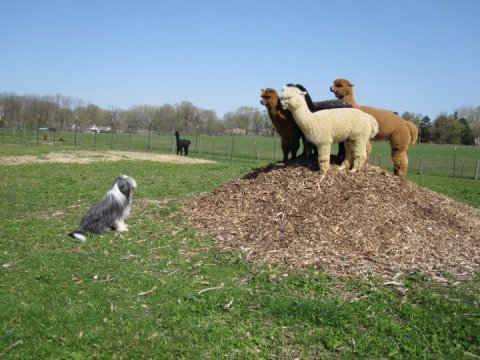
[269,96]
[341,88]
[126,184]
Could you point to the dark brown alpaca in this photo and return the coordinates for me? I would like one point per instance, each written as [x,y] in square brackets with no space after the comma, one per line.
[399,132]
[182,144]
[284,123]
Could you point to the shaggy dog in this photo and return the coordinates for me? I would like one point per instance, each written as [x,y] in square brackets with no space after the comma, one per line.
[182,145]
[111,211]
[399,132]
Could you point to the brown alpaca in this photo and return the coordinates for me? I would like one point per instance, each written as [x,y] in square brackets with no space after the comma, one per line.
[399,132]
[284,123]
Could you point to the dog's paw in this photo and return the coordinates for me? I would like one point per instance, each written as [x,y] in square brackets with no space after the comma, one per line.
[122,227]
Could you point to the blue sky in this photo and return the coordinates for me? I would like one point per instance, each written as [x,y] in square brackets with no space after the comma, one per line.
[411,55]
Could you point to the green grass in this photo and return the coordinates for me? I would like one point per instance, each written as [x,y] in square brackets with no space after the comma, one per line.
[163,291]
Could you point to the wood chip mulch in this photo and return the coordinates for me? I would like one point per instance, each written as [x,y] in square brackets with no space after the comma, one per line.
[349,224]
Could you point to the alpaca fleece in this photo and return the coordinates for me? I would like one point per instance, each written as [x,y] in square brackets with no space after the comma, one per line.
[323,105]
[322,128]
[399,132]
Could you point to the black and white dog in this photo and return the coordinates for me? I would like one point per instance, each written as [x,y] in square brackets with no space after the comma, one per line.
[111,211]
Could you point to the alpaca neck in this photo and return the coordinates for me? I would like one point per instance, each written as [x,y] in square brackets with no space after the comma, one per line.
[275,110]
[302,114]
[349,99]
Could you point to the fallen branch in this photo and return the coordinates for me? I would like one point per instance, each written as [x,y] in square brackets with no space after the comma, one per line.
[147,292]
[19,342]
[210,289]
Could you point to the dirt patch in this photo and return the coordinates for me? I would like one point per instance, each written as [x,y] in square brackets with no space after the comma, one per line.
[349,224]
[84,157]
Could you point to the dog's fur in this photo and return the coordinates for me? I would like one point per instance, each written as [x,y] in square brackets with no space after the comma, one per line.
[399,132]
[111,211]
[182,145]
[283,121]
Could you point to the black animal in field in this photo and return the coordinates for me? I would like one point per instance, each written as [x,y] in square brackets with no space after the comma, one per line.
[182,144]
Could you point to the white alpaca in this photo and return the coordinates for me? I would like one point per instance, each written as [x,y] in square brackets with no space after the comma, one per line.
[352,126]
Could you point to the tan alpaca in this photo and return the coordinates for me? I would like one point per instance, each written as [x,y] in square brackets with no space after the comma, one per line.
[399,132]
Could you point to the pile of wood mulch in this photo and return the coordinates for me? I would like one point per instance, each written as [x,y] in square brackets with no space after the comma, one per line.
[349,224]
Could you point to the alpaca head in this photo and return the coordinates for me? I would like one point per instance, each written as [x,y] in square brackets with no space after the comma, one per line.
[308,99]
[292,97]
[177,134]
[269,97]
[342,88]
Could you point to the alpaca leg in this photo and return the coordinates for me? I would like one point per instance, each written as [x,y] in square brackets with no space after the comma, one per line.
[341,153]
[399,143]
[186,150]
[285,151]
[294,149]
[369,149]
[348,160]
[323,158]
[400,162]
[359,154]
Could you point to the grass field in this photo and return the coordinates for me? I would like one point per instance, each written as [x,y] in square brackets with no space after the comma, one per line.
[162,291]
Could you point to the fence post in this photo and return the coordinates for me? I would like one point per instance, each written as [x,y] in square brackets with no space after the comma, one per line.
[231,153]
[149,135]
[454,162]
[38,121]
[477,168]
[213,146]
[461,170]
[130,137]
[111,137]
[196,141]
[76,127]
[421,166]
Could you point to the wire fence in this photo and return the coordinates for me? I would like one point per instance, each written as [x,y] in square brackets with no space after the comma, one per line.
[231,147]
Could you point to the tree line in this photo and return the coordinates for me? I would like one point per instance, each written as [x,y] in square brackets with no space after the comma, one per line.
[462,127]
[64,113]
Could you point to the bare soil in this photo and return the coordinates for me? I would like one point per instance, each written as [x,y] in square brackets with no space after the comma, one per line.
[84,157]
[350,224]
